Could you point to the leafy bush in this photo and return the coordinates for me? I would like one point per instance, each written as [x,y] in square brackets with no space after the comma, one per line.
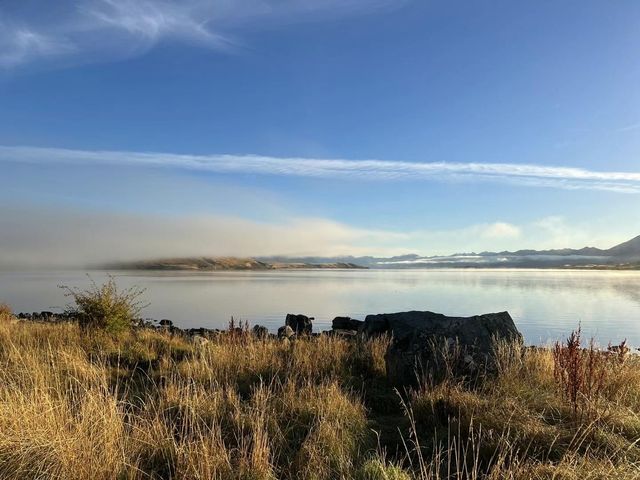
[5,311]
[105,307]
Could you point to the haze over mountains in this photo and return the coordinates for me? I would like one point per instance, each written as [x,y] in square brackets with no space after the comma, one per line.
[623,256]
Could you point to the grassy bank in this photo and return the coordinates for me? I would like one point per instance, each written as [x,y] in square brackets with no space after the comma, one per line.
[80,404]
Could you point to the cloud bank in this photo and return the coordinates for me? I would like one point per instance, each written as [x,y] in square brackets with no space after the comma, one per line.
[56,238]
[98,30]
[511,173]
[44,237]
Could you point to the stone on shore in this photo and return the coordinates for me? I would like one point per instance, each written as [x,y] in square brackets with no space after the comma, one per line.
[301,324]
[260,331]
[346,323]
[427,345]
[286,332]
[339,332]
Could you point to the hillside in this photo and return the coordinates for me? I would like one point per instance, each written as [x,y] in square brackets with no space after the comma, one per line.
[225,263]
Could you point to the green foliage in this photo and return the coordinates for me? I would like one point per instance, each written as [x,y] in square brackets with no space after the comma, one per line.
[376,469]
[105,307]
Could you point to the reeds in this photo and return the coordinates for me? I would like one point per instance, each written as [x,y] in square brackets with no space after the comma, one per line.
[77,404]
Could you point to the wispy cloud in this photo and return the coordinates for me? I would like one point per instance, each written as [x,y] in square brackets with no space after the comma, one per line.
[20,44]
[512,173]
[95,30]
[630,127]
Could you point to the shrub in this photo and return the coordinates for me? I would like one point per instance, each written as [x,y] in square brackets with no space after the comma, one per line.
[105,307]
[5,311]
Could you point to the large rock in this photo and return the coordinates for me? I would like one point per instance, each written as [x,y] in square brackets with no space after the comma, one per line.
[427,345]
[346,323]
[286,332]
[301,324]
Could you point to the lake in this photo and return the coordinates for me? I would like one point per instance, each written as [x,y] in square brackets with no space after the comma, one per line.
[545,304]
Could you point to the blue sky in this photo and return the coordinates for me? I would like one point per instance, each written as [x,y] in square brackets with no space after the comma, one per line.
[254,127]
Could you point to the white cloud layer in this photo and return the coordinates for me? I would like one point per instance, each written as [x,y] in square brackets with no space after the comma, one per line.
[41,237]
[518,174]
[95,30]
[45,237]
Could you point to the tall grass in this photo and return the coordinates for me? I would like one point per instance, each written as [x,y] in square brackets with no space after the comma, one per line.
[77,404]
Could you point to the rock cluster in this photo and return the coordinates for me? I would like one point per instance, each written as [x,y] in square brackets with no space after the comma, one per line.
[46,316]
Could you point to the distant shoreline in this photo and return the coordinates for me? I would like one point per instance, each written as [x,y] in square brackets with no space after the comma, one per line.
[212,264]
[250,264]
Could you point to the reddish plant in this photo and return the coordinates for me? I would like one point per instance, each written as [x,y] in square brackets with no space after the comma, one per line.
[579,372]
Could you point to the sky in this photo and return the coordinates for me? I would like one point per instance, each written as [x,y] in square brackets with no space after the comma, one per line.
[145,128]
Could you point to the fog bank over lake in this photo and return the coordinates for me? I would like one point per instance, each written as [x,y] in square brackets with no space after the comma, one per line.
[545,304]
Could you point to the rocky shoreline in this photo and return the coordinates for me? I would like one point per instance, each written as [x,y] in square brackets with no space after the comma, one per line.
[295,325]
[415,336]
[422,343]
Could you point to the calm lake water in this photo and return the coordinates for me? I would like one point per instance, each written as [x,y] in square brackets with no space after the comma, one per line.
[545,304]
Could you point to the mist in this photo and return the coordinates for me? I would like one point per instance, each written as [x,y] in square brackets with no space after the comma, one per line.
[48,238]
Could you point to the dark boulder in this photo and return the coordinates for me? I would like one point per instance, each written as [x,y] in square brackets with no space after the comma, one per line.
[260,331]
[376,325]
[301,324]
[341,333]
[431,346]
[346,323]
[286,332]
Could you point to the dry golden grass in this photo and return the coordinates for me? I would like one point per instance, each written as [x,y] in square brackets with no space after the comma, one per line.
[5,312]
[80,404]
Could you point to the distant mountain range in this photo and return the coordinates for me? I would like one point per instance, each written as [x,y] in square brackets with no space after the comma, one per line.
[625,256]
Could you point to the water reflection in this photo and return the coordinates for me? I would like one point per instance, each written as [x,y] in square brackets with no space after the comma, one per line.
[544,304]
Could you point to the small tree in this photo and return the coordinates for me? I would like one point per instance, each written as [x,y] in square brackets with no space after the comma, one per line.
[105,307]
